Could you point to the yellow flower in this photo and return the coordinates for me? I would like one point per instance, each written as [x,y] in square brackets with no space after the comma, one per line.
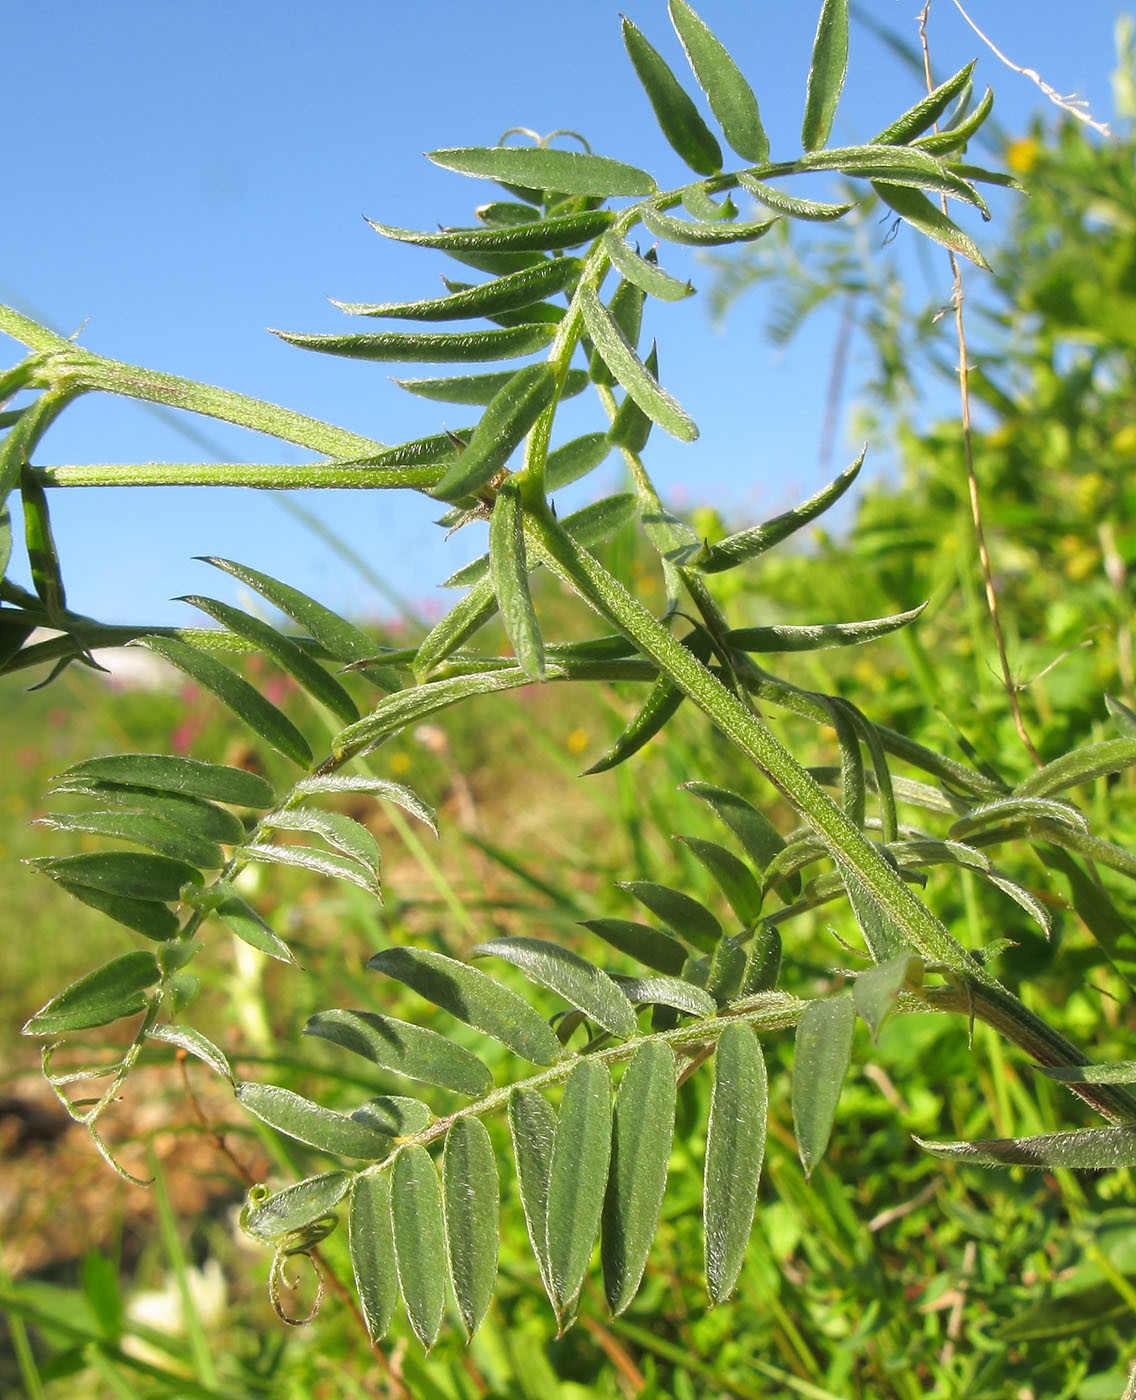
[1022,155]
[577,741]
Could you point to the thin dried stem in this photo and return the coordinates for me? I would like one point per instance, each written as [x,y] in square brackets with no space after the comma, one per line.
[1008,681]
[1075,106]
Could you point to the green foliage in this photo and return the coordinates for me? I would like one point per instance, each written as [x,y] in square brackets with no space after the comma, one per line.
[594,1062]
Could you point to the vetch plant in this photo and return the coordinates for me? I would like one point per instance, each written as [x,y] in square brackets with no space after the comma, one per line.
[599,1051]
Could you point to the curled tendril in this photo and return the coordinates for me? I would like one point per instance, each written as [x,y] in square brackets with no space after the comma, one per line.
[298,1242]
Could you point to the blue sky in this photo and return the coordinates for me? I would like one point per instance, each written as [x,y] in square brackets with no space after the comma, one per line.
[182,177]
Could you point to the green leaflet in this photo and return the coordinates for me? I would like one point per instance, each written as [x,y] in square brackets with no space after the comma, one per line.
[186,776]
[895,165]
[676,114]
[991,814]
[1067,1315]
[758,837]
[348,836]
[245,701]
[468,615]
[626,311]
[326,863]
[563,231]
[284,651]
[311,1123]
[143,829]
[647,276]
[532,1125]
[419,1241]
[377,787]
[448,347]
[917,210]
[627,367]
[1087,1149]
[471,1196]
[127,873]
[473,997]
[642,1128]
[763,963]
[733,877]
[662,702]
[1083,765]
[667,991]
[730,96]
[725,972]
[698,204]
[547,168]
[508,569]
[826,73]
[577,1179]
[282,1212]
[679,911]
[193,1043]
[480,388]
[792,205]
[746,544]
[116,989]
[576,458]
[631,428]
[566,973]
[501,213]
[246,924]
[735,1150]
[145,916]
[395,1115]
[820,635]
[406,1049]
[371,1235]
[408,706]
[516,289]
[504,425]
[338,637]
[651,946]
[701,235]
[941,142]
[874,992]
[925,113]
[821,1055]
[1121,1072]
[881,933]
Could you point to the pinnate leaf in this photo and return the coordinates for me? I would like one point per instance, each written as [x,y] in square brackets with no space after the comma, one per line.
[562,231]
[642,1127]
[142,829]
[667,991]
[792,205]
[734,877]
[377,787]
[925,113]
[874,992]
[679,911]
[646,275]
[821,1055]
[242,920]
[758,837]
[700,234]
[116,989]
[446,347]
[735,1150]
[472,1198]
[651,946]
[194,1043]
[349,837]
[326,863]
[127,873]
